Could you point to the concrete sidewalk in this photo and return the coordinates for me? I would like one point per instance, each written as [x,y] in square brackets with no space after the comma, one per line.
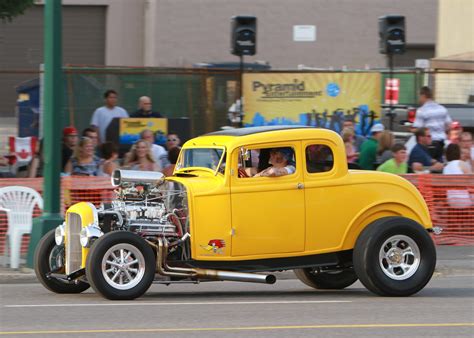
[452,260]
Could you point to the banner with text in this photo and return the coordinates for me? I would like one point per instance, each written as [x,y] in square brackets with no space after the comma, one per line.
[314,99]
[130,129]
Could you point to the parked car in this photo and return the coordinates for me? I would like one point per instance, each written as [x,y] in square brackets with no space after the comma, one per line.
[214,220]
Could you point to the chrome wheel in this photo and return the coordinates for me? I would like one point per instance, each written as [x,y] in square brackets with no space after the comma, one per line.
[56,258]
[123,266]
[399,257]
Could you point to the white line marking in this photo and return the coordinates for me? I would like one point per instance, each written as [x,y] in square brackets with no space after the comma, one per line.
[178,303]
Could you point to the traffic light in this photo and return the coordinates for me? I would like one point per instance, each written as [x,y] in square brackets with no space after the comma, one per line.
[392,34]
[243,35]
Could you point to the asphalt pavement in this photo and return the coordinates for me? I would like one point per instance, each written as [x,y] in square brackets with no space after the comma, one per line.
[444,308]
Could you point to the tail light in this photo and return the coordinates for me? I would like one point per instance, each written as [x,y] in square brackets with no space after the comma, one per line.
[411,115]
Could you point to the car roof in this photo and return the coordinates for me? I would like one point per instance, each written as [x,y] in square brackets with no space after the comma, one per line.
[252,130]
[232,138]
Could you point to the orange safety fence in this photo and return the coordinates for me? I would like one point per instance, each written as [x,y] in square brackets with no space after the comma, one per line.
[74,189]
[450,200]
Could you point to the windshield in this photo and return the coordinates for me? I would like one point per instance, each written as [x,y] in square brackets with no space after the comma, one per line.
[211,158]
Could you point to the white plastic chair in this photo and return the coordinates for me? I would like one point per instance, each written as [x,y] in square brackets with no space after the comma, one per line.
[18,203]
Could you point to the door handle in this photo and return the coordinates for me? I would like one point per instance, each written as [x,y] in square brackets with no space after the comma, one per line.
[300,186]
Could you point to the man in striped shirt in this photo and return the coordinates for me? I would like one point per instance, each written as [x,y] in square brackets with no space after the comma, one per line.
[436,118]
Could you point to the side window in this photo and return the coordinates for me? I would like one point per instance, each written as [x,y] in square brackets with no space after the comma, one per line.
[319,158]
[266,162]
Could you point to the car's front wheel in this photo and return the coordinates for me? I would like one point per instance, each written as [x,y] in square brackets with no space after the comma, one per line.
[50,257]
[326,280]
[120,265]
[394,256]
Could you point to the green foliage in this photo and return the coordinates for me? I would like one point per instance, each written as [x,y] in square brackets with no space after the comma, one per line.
[12,8]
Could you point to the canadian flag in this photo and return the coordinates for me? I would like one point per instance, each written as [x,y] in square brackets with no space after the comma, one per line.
[22,147]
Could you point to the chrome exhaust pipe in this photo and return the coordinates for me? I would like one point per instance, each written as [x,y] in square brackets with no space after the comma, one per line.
[235,276]
[165,270]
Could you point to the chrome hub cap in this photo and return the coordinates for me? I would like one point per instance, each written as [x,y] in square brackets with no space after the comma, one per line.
[399,257]
[123,266]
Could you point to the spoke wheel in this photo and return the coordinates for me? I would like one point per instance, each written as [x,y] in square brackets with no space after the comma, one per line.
[399,257]
[120,265]
[51,257]
[123,266]
[394,256]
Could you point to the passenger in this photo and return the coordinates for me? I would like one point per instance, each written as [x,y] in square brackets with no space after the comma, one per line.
[281,161]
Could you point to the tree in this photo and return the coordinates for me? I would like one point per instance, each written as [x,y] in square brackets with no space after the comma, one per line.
[12,8]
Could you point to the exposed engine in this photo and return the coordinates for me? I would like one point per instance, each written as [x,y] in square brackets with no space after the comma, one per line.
[148,205]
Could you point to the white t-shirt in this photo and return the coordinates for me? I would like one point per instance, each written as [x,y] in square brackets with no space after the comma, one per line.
[435,117]
[160,155]
[103,116]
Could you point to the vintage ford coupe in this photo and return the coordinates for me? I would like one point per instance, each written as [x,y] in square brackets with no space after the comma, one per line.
[219,218]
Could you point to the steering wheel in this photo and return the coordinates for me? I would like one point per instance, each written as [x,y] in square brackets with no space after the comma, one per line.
[242,173]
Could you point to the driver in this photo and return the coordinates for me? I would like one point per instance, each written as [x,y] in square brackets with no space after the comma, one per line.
[281,163]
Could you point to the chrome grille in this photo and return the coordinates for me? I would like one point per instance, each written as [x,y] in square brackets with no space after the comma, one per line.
[73,244]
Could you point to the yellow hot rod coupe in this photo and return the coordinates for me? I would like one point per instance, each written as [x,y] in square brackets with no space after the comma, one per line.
[219,218]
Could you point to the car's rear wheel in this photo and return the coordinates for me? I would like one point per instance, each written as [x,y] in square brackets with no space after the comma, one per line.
[50,257]
[326,280]
[120,265]
[394,256]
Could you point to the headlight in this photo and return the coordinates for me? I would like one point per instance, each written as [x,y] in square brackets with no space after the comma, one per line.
[59,234]
[89,234]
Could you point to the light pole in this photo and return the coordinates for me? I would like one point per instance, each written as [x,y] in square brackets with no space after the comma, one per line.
[52,95]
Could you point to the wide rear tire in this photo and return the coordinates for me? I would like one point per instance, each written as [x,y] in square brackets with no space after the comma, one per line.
[394,256]
[326,280]
[49,257]
[120,265]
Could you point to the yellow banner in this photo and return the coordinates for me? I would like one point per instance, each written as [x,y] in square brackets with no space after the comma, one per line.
[316,99]
[130,128]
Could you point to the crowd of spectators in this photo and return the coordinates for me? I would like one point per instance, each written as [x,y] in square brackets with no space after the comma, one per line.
[439,145]
[89,153]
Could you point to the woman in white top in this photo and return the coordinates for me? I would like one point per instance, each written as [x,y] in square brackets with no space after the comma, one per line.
[457,198]
[455,166]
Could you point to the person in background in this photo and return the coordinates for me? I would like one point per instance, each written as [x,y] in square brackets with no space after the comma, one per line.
[358,139]
[35,168]
[368,150]
[172,140]
[5,162]
[455,166]
[348,138]
[109,152]
[140,158]
[160,155]
[398,164]
[84,162]
[173,154]
[420,157]
[436,118]
[92,134]
[454,134]
[384,149]
[70,140]
[104,115]
[467,149]
[144,109]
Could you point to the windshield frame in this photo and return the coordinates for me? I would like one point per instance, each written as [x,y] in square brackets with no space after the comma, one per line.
[214,171]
